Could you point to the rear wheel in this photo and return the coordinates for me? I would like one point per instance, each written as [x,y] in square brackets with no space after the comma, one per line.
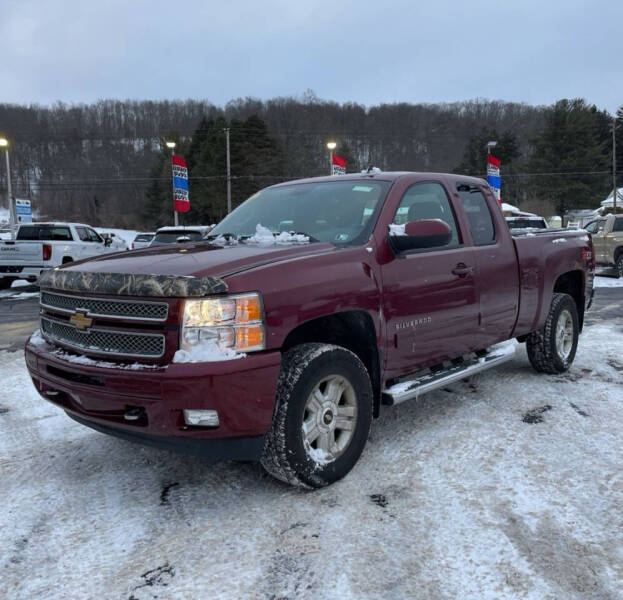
[322,416]
[619,265]
[552,348]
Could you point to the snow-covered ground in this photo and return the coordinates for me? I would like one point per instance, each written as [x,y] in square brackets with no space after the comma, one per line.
[509,485]
[605,281]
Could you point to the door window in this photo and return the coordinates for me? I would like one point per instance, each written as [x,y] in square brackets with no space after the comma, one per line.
[428,201]
[478,214]
[618,224]
[83,234]
[94,236]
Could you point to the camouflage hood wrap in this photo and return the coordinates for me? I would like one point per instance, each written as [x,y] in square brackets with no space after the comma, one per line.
[170,286]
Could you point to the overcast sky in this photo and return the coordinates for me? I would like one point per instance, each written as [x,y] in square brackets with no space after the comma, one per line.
[366,52]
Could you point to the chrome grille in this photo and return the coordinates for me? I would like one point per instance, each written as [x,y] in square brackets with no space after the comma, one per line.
[99,307]
[98,341]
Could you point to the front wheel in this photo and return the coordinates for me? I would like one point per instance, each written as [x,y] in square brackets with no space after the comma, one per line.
[322,418]
[552,348]
[619,266]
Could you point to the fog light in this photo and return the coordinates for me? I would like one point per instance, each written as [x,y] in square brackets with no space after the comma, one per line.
[201,418]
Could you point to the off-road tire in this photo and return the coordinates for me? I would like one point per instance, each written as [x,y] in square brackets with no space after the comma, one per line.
[541,345]
[618,267]
[6,282]
[302,368]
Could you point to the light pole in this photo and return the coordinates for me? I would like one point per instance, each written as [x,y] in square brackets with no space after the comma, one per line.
[331,146]
[171,146]
[4,143]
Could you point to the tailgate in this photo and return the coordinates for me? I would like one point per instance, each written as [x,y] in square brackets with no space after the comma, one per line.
[21,253]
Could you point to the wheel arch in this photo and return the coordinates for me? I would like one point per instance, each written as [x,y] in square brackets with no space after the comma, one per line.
[353,330]
[572,283]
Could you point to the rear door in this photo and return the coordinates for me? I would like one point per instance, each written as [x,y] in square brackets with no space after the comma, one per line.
[496,263]
[429,295]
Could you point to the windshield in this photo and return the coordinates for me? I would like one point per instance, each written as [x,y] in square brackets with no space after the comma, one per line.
[526,224]
[595,226]
[170,237]
[340,212]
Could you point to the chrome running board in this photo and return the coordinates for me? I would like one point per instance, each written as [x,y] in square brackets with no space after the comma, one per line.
[455,371]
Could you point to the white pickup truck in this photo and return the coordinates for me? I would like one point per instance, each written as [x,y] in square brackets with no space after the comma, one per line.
[39,246]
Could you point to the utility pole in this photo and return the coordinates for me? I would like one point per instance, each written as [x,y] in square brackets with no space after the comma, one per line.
[614,165]
[226,130]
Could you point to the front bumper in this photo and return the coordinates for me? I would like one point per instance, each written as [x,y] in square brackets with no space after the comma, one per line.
[24,272]
[242,391]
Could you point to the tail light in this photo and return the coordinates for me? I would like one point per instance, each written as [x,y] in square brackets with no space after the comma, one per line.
[47,251]
[132,245]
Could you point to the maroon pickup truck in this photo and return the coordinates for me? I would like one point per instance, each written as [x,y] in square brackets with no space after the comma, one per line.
[307,309]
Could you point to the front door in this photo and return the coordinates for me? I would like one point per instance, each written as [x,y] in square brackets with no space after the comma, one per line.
[429,295]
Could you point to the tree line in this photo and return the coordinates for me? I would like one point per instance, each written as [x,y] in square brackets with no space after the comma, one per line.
[106,163]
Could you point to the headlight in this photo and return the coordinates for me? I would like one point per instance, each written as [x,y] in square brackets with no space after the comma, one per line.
[231,322]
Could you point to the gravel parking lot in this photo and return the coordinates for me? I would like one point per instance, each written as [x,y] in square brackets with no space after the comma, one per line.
[508,485]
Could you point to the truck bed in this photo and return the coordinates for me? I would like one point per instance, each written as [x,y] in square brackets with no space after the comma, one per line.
[541,254]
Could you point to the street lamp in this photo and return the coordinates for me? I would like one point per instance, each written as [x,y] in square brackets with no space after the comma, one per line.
[4,143]
[331,146]
[171,146]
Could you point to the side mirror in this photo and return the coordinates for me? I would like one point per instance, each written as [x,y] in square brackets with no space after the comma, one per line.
[426,233]
[107,241]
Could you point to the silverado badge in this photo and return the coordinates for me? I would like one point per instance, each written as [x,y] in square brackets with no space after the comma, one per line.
[80,320]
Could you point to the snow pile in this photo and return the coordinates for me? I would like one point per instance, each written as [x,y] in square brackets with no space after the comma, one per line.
[221,240]
[395,229]
[36,339]
[265,237]
[125,235]
[206,351]
[610,282]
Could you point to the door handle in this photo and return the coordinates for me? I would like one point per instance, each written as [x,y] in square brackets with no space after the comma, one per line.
[462,270]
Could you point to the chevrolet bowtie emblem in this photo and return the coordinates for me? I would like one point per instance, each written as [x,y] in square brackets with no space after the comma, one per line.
[80,321]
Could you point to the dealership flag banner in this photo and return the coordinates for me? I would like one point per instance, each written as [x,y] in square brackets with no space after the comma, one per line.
[338,165]
[181,203]
[493,176]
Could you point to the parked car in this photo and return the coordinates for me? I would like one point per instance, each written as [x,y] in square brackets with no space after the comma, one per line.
[39,246]
[284,345]
[531,222]
[176,235]
[142,240]
[607,237]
